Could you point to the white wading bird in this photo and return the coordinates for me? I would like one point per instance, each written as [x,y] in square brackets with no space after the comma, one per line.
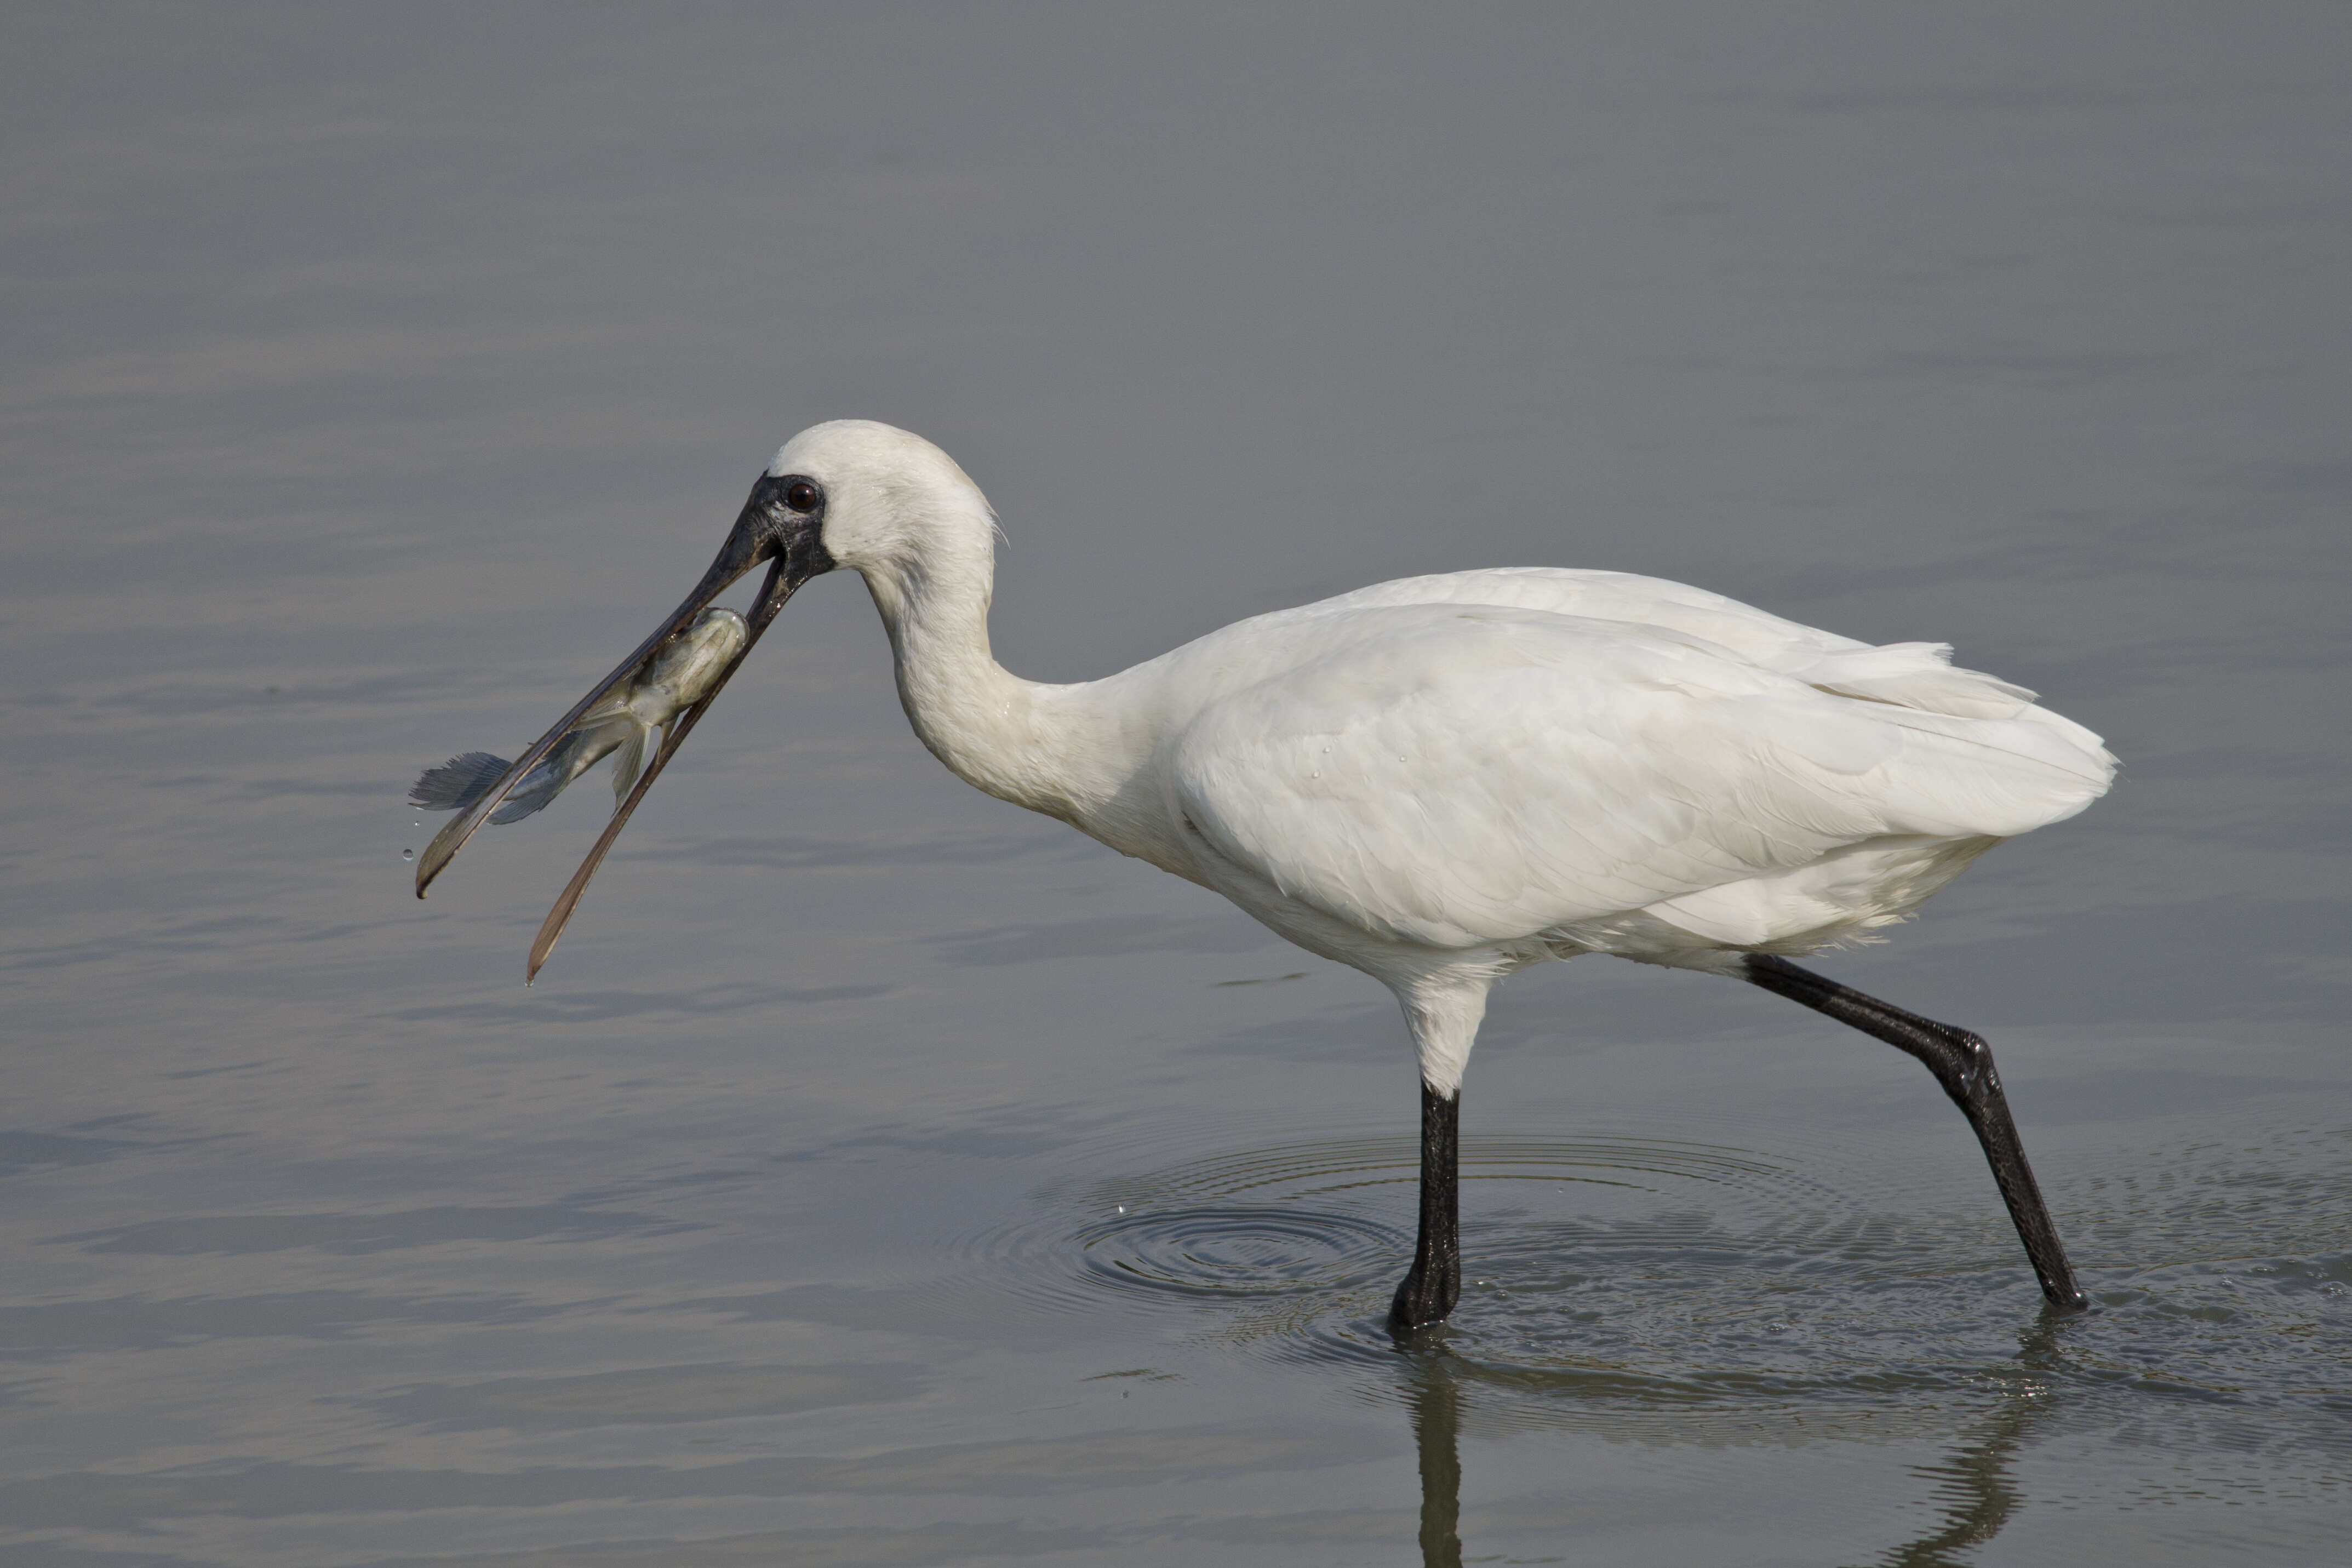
[1442,780]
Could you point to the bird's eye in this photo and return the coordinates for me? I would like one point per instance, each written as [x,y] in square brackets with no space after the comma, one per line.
[801,495]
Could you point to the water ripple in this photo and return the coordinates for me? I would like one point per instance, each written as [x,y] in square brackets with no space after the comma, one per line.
[1229,1253]
[1619,1282]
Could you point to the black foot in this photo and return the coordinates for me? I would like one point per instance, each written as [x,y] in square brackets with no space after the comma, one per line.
[1426,1298]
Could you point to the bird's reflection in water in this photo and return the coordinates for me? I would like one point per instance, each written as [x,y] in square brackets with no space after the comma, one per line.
[1436,1437]
[1974,1486]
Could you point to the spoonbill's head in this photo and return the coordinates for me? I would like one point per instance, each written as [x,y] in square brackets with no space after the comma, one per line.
[890,504]
[850,493]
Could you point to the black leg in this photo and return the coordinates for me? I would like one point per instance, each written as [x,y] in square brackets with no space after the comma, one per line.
[1434,1284]
[1962,1063]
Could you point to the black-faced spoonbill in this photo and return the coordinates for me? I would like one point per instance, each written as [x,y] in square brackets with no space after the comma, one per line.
[1442,780]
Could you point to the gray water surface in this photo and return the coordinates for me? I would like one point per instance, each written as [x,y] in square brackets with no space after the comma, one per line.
[877,1175]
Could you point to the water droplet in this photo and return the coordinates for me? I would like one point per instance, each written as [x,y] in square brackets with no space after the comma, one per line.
[408,854]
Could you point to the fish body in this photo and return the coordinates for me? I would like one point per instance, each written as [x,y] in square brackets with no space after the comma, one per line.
[674,678]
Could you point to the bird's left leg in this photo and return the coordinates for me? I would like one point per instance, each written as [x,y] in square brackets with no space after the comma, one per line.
[1435,1282]
[1962,1063]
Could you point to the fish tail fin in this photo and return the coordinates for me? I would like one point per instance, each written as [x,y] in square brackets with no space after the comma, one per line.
[538,787]
[458,783]
[541,784]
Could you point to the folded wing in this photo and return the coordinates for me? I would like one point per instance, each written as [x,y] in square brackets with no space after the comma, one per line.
[1458,773]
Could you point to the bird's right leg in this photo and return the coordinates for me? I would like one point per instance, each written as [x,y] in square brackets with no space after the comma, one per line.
[1435,1282]
[1962,1063]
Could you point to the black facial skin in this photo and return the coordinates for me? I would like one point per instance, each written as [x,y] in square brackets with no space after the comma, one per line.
[783,522]
[794,520]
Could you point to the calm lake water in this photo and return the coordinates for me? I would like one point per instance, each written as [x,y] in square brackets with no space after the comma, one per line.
[877,1175]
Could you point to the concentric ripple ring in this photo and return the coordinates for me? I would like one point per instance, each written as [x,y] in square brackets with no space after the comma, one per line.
[1226,1252]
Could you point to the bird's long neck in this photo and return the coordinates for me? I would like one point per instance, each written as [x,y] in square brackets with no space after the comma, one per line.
[1018,739]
